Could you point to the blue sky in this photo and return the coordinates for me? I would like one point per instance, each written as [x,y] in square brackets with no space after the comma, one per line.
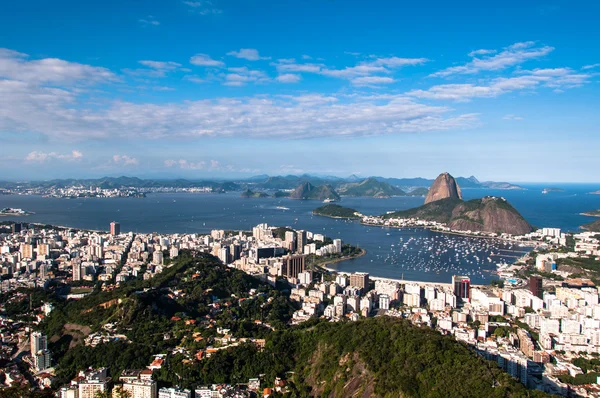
[227,88]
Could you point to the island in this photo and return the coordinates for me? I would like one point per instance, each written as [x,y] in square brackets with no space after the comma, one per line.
[549,190]
[337,211]
[9,211]
[591,213]
[248,194]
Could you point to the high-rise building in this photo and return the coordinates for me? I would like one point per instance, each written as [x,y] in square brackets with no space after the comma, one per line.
[462,287]
[235,251]
[292,265]
[338,245]
[76,269]
[43,271]
[360,280]
[290,240]
[535,286]
[39,351]
[38,342]
[224,254]
[43,249]
[115,228]
[92,381]
[157,257]
[26,250]
[16,228]
[141,388]
[300,241]
[384,301]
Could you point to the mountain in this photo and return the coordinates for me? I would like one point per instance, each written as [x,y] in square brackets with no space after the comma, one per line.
[251,194]
[470,182]
[443,187]
[593,226]
[370,187]
[307,190]
[418,192]
[488,214]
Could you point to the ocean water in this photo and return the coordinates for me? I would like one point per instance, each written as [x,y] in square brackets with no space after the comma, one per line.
[412,254]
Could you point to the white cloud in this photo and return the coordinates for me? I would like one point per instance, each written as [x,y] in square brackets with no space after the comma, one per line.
[558,78]
[205,60]
[203,7]
[372,80]
[242,76]
[250,54]
[169,65]
[124,160]
[288,78]
[16,66]
[395,62]
[513,55]
[149,20]
[482,52]
[49,112]
[290,66]
[592,66]
[42,157]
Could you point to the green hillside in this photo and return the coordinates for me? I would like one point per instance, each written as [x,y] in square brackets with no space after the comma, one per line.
[335,211]
[370,188]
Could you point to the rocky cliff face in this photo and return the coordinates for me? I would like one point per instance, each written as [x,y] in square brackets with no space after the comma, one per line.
[443,187]
[489,214]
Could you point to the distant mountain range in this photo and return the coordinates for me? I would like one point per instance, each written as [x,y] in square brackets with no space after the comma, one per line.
[361,187]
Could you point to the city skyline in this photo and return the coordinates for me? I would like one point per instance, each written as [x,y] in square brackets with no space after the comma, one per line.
[199,89]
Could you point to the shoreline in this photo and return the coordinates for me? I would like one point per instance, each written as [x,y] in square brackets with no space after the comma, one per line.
[589,214]
[458,233]
[339,260]
[336,217]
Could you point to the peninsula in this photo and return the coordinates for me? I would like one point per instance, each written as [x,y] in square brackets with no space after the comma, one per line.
[591,213]
[444,205]
[337,211]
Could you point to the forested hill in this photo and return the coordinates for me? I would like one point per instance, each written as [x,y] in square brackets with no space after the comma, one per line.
[185,305]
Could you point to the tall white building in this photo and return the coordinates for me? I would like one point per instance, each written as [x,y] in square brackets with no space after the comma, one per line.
[141,388]
[384,302]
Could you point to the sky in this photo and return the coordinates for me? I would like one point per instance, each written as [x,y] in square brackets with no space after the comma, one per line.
[228,89]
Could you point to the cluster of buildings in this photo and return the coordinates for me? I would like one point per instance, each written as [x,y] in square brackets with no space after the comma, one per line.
[138,383]
[533,330]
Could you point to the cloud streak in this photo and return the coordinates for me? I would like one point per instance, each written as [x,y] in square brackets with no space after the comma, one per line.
[512,55]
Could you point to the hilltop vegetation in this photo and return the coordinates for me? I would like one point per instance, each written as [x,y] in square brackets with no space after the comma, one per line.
[336,211]
[371,188]
[593,226]
[146,311]
[380,357]
[307,191]
[183,306]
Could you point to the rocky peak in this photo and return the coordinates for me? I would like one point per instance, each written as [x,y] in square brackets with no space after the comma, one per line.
[443,187]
